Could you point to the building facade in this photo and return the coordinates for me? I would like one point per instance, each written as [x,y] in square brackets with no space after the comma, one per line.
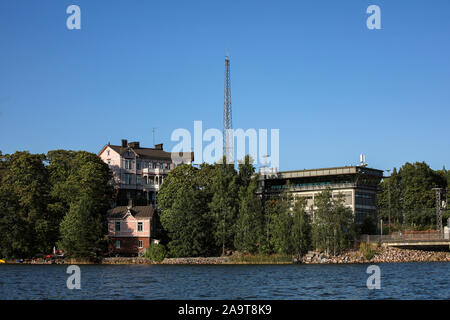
[138,172]
[130,229]
[357,184]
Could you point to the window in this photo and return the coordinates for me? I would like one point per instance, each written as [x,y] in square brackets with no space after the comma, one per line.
[154,165]
[161,166]
[140,244]
[140,226]
[117,226]
[146,164]
[117,244]
[128,164]
[138,165]
[127,178]
[138,179]
[109,162]
[107,152]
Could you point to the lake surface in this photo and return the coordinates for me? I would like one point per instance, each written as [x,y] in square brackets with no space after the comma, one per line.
[398,281]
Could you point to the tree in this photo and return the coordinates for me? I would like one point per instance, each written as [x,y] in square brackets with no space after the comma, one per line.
[74,175]
[81,228]
[333,223]
[250,222]
[301,228]
[224,204]
[280,224]
[184,213]
[411,194]
[24,221]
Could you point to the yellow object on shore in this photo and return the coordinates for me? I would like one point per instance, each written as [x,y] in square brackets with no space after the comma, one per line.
[2,261]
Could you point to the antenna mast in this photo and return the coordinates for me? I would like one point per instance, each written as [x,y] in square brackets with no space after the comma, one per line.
[227,114]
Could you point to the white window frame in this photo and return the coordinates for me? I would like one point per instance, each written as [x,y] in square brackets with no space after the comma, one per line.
[140,244]
[140,223]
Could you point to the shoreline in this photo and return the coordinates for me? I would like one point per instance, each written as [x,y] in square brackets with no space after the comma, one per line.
[381,255]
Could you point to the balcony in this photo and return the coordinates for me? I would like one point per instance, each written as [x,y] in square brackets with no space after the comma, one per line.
[155,171]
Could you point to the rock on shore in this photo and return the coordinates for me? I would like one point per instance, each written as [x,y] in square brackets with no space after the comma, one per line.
[199,260]
[382,254]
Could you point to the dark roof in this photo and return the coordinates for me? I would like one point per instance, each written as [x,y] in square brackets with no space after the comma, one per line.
[137,212]
[148,153]
[152,153]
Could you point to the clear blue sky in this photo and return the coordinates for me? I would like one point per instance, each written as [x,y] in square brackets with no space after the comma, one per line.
[309,68]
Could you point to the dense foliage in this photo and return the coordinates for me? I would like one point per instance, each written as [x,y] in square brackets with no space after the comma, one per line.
[214,209]
[411,196]
[46,200]
[156,252]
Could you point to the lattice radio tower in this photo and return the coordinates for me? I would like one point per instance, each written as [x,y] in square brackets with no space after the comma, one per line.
[227,114]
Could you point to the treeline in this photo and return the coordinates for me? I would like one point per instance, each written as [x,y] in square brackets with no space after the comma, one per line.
[212,209]
[58,199]
[412,198]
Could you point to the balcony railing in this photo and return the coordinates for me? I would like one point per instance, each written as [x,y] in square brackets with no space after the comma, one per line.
[155,171]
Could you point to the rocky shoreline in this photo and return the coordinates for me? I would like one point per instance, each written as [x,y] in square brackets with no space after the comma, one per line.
[381,255]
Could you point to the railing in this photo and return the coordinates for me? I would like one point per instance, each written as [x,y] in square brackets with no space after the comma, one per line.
[155,171]
[403,237]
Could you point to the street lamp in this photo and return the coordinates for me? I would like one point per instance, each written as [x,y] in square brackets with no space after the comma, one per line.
[389,201]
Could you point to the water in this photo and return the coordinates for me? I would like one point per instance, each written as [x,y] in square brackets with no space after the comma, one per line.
[398,281]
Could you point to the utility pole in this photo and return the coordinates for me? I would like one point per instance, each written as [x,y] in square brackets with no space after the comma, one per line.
[438,192]
[389,200]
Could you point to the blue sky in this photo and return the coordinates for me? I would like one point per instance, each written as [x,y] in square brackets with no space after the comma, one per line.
[309,68]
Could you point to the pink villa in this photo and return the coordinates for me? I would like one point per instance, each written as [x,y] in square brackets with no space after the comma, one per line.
[130,229]
[138,173]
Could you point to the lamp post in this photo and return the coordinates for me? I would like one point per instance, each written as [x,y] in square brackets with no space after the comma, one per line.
[389,201]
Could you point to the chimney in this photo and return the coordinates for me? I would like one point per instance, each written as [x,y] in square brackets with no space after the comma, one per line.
[130,203]
[159,146]
[134,145]
[124,143]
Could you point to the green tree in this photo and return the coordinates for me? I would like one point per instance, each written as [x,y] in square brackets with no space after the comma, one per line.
[184,213]
[81,228]
[224,204]
[333,223]
[281,224]
[301,228]
[24,221]
[411,196]
[250,223]
[74,175]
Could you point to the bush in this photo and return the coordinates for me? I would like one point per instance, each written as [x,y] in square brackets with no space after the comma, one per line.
[367,250]
[156,252]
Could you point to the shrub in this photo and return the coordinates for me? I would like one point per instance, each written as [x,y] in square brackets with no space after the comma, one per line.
[156,252]
[367,250]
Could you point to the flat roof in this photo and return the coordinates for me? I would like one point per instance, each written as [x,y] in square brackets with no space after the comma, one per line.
[326,172]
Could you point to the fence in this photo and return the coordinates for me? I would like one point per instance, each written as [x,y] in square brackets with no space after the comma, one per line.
[402,237]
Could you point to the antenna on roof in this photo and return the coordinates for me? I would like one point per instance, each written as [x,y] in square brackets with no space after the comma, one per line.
[362,160]
[153,135]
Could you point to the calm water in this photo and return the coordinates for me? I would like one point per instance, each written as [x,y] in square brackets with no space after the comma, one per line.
[398,281]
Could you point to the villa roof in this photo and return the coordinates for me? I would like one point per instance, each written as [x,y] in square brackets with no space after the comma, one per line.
[136,211]
[146,153]
[150,153]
